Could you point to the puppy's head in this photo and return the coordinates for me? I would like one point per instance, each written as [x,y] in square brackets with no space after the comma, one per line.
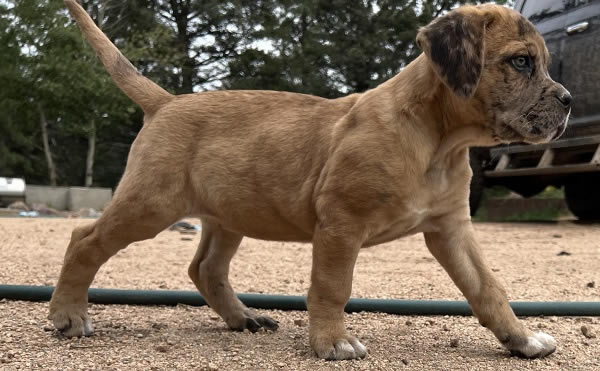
[495,60]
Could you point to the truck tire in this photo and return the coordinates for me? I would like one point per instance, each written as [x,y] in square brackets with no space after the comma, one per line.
[582,196]
[477,181]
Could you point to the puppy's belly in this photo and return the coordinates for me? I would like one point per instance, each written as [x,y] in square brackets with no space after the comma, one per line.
[262,224]
[277,232]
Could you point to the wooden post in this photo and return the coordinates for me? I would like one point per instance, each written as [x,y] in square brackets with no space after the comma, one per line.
[503,162]
[596,157]
[547,158]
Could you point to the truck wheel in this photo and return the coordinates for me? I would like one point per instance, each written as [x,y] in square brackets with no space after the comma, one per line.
[582,196]
[477,181]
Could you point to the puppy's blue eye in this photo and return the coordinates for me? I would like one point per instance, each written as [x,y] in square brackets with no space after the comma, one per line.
[521,63]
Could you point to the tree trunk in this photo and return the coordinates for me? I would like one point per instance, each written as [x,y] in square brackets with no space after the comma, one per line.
[181,14]
[188,71]
[47,151]
[89,164]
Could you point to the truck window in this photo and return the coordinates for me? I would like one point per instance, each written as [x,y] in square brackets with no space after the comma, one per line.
[537,10]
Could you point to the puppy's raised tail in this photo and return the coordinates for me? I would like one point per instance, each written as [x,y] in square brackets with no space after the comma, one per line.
[149,96]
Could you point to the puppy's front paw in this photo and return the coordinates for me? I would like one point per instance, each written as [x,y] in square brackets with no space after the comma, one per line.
[535,346]
[338,348]
[71,321]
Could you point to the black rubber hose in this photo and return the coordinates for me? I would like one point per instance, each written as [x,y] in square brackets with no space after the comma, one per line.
[284,302]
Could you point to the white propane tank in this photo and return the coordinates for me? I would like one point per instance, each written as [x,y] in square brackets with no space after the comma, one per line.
[12,187]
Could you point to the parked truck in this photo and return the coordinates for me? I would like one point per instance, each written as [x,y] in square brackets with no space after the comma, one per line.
[571,29]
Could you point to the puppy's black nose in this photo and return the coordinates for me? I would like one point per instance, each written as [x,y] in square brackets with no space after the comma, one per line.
[564,97]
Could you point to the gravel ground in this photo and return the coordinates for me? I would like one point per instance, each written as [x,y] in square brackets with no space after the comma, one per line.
[557,261]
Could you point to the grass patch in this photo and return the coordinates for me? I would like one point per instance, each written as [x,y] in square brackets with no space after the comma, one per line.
[551,192]
[551,212]
[540,215]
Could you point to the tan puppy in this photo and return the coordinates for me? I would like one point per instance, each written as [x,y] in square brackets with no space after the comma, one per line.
[342,173]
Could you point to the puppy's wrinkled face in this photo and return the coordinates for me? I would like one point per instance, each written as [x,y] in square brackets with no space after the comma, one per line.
[523,102]
[495,58]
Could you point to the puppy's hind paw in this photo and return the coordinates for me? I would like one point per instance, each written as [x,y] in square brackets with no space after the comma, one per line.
[254,322]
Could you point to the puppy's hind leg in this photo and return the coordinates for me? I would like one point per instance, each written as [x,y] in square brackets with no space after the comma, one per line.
[209,270]
[133,215]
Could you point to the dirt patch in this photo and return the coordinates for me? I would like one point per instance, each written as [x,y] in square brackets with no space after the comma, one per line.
[524,256]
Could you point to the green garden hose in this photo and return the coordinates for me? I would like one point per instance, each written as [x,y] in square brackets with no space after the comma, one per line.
[284,302]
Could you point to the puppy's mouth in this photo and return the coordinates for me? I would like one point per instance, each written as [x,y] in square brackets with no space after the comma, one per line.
[563,127]
[533,129]
[506,134]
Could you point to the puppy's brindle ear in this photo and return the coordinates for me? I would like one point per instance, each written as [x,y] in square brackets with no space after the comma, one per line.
[454,45]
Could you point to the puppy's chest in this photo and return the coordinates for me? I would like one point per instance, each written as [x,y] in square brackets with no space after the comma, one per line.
[417,207]
[410,219]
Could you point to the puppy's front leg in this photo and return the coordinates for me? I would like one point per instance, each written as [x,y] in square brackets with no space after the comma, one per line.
[334,253]
[454,246]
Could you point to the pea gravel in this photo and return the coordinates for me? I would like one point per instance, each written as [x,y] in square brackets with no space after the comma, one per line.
[524,256]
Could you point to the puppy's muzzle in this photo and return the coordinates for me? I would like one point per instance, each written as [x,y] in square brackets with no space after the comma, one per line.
[548,119]
[565,99]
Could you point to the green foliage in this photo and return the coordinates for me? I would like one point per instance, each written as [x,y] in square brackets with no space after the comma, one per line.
[335,47]
[329,48]
[551,212]
[54,70]
[19,153]
[547,214]
[552,192]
